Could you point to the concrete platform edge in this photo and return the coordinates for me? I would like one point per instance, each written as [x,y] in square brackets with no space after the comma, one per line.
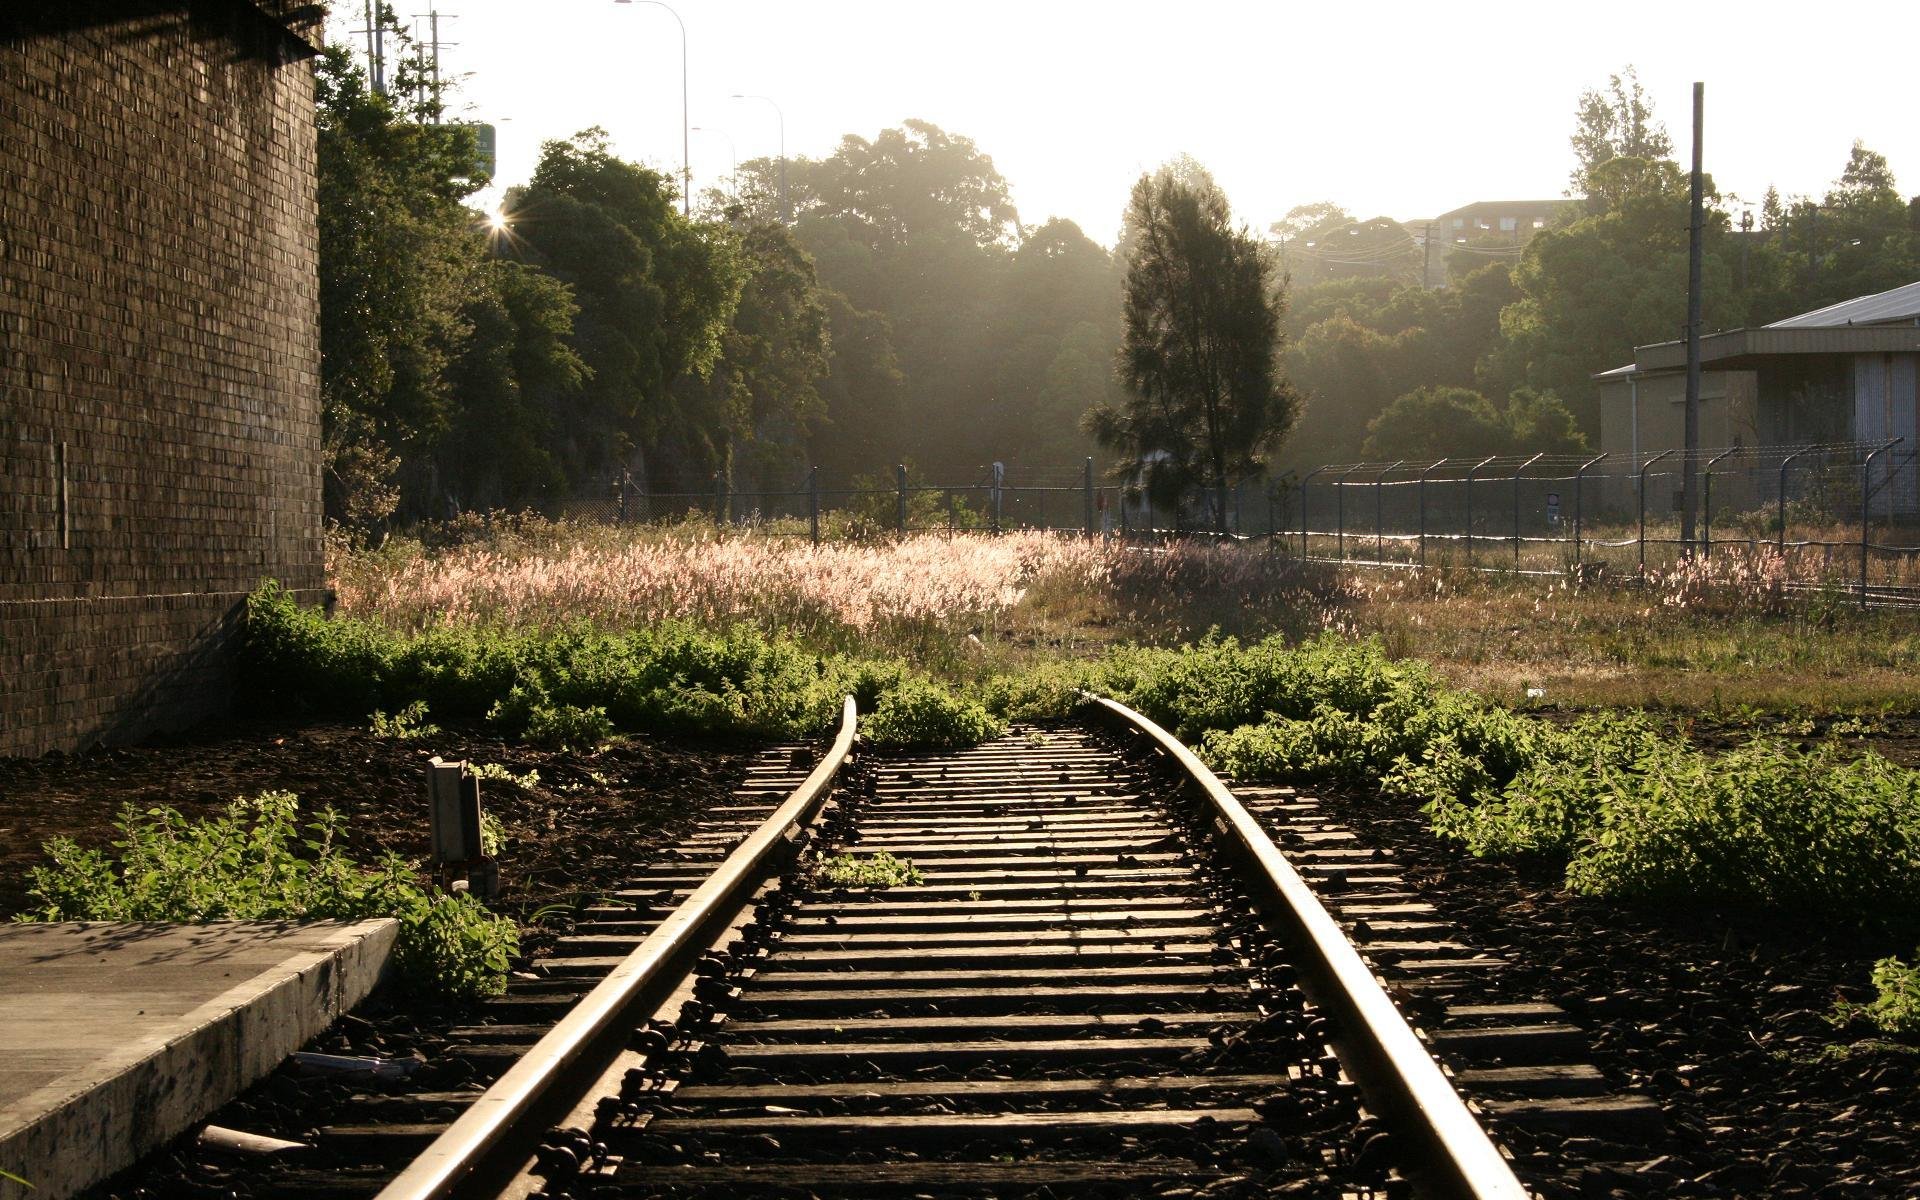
[232,1041]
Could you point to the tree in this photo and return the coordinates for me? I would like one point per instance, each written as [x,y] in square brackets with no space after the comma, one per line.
[509,379]
[656,293]
[1433,423]
[1858,239]
[1593,290]
[864,392]
[395,251]
[764,392]
[1610,124]
[1200,355]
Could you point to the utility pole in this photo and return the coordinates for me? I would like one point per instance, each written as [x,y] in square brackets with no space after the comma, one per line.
[376,32]
[1746,239]
[1426,257]
[433,46]
[1695,228]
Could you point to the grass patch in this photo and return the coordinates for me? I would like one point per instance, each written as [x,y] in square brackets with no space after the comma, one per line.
[255,862]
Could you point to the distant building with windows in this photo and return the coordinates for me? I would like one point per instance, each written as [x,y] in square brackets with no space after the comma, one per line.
[1487,230]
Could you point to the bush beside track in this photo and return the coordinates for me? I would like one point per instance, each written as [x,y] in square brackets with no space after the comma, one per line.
[1622,808]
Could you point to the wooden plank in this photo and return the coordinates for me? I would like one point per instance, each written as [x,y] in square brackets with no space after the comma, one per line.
[953,1125]
[1552,1078]
[1010,1026]
[1126,1048]
[837,1179]
[974,999]
[1065,954]
[1004,978]
[967,1089]
[1110,933]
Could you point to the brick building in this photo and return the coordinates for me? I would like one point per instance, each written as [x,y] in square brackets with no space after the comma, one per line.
[159,352]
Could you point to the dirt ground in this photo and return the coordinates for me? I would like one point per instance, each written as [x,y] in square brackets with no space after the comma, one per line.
[577,829]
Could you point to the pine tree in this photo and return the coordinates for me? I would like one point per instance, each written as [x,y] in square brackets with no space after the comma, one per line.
[1200,357]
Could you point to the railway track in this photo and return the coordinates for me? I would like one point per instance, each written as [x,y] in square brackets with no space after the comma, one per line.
[1106,981]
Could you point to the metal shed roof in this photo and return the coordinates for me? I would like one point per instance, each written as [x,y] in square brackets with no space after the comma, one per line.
[1900,306]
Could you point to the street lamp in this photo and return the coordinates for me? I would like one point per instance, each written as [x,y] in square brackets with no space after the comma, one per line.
[686,171]
[786,212]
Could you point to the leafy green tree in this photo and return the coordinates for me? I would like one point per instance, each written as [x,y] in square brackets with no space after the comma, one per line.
[512,374]
[1347,374]
[1859,238]
[395,253]
[656,293]
[1438,422]
[764,393]
[1055,324]
[1201,352]
[1592,290]
[1322,241]
[1612,124]
[864,392]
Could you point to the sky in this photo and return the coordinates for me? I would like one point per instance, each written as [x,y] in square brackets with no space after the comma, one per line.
[1387,109]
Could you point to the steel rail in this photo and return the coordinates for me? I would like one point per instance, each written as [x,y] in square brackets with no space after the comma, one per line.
[462,1146]
[1381,1049]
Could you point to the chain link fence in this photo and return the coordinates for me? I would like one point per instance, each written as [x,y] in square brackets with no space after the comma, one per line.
[1834,515]
[1831,515]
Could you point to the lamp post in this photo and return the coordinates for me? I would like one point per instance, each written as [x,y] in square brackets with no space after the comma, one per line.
[786,211]
[686,138]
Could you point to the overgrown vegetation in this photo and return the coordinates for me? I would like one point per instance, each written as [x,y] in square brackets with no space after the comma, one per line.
[1626,810]
[1896,1007]
[879,869]
[578,686]
[256,862]
[571,635]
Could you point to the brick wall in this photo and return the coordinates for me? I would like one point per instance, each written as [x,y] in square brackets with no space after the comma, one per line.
[159,355]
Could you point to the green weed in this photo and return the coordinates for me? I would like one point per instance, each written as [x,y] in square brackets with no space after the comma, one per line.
[409,722]
[529,779]
[255,862]
[879,869]
[1896,1007]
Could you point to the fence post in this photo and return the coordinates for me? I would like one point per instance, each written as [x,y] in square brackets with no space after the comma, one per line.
[1423,508]
[1643,506]
[900,510]
[1304,480]
[813,504]
[1087,488]
[1781,548]
[1706,504]
[1379,527]
[1470,473]
[1340,509]
[1866,501]
[1578,506]
[1516,506]
[719,514]
[999,476]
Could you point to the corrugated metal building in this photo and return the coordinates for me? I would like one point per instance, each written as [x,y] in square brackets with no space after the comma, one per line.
[1849,372]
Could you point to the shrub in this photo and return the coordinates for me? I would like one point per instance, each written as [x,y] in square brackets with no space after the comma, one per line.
[918,712]
[251,863]
[1896,1007]
[1765,825]
[1330,746]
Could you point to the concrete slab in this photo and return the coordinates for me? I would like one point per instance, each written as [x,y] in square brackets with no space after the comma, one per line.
[116,1037]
